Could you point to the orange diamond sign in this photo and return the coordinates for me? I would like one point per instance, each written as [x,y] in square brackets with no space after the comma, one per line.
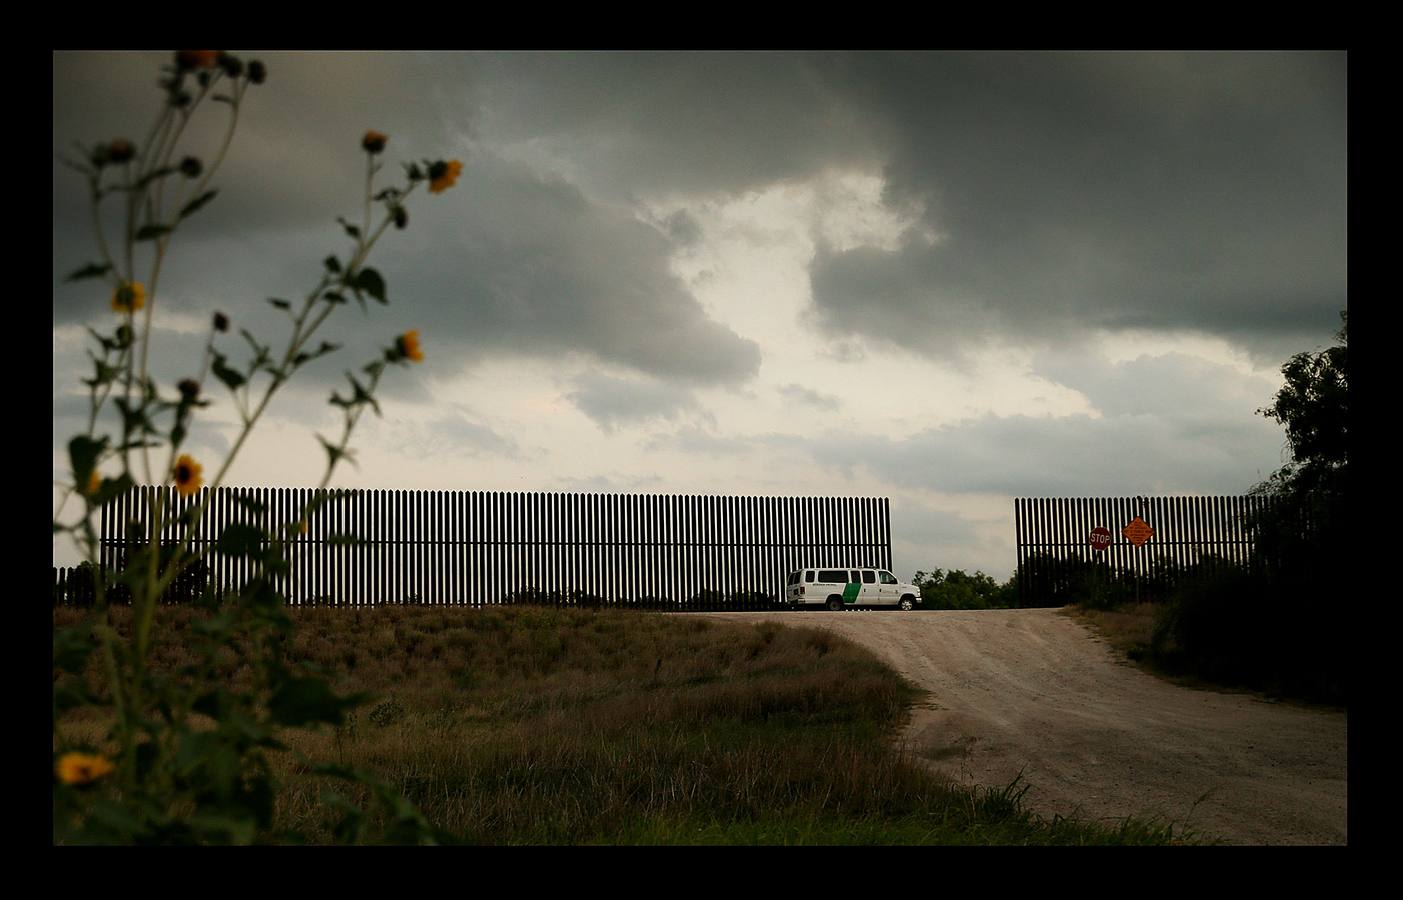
[1138,531]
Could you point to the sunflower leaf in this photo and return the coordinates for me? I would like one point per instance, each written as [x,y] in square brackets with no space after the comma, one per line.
[333,452]
[83,453]
[151,232]
[239,539]
[194,205]
[91,270]
[231,378]
[372,283]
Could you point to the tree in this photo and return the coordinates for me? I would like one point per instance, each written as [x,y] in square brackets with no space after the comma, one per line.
[1314,407]
[1295,619]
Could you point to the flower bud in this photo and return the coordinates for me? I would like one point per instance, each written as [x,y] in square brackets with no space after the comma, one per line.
[232,65]
[401,217]
[256,71]
[221,322]
[120,151]
[189,389]
[373,142]
[190,167]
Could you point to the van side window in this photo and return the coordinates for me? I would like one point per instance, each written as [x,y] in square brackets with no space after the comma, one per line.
[854,577]
[869,577]
[809,576]
[888,578]
[793,578]
[832,576]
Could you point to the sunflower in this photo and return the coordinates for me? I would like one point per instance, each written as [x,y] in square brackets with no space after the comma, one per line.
[443,175]
[129,297]
[374,141]
[187,475]
[408,345]
[81,768]
[94,482]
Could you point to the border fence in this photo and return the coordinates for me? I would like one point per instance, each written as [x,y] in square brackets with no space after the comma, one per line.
[1054,548]
[475,548]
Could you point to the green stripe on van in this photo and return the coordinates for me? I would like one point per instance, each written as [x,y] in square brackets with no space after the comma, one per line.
[851,591]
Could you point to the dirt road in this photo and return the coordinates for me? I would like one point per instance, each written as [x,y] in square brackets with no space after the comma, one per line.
[1036,691]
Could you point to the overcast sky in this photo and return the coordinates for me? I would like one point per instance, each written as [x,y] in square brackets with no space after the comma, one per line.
[949,279]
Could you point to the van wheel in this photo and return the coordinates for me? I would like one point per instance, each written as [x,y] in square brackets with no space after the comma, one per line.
[907,602]
[835,603]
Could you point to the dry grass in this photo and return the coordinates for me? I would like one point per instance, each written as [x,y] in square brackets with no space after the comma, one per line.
[540,725]
[1128,628]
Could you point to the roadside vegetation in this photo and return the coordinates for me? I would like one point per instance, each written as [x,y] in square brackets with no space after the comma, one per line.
[957,589]
[534,725]
[1278,624]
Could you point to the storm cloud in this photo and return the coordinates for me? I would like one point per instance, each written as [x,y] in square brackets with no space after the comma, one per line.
[1071,191]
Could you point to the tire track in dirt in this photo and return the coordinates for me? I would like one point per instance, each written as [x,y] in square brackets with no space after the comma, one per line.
[1034,691]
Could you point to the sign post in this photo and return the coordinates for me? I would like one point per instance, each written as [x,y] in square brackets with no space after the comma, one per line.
[1138,531]
[1100,539]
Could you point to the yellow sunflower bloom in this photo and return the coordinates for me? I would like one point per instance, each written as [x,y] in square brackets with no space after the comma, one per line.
[409,345]
[81,768]
[129,297]
[187,475]
[94,482]
[443,175]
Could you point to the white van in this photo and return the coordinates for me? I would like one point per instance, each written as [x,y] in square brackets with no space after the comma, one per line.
[848,588]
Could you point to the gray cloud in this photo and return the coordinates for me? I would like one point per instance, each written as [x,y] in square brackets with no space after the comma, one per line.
[531,265]
[610,484]
[1199,191]
[1172,386]
[508,262]
[451,436]
[1193,191]
[295,160]
[691,439]
[683,228]
[1071,456]
[664,122]
[925,538]
[474,438]
[1168,424]
[612,402]
[797,393]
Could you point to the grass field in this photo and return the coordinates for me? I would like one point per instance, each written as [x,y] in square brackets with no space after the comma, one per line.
[560,726]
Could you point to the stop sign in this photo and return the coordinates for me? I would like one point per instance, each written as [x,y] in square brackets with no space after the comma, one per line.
[1100,538]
